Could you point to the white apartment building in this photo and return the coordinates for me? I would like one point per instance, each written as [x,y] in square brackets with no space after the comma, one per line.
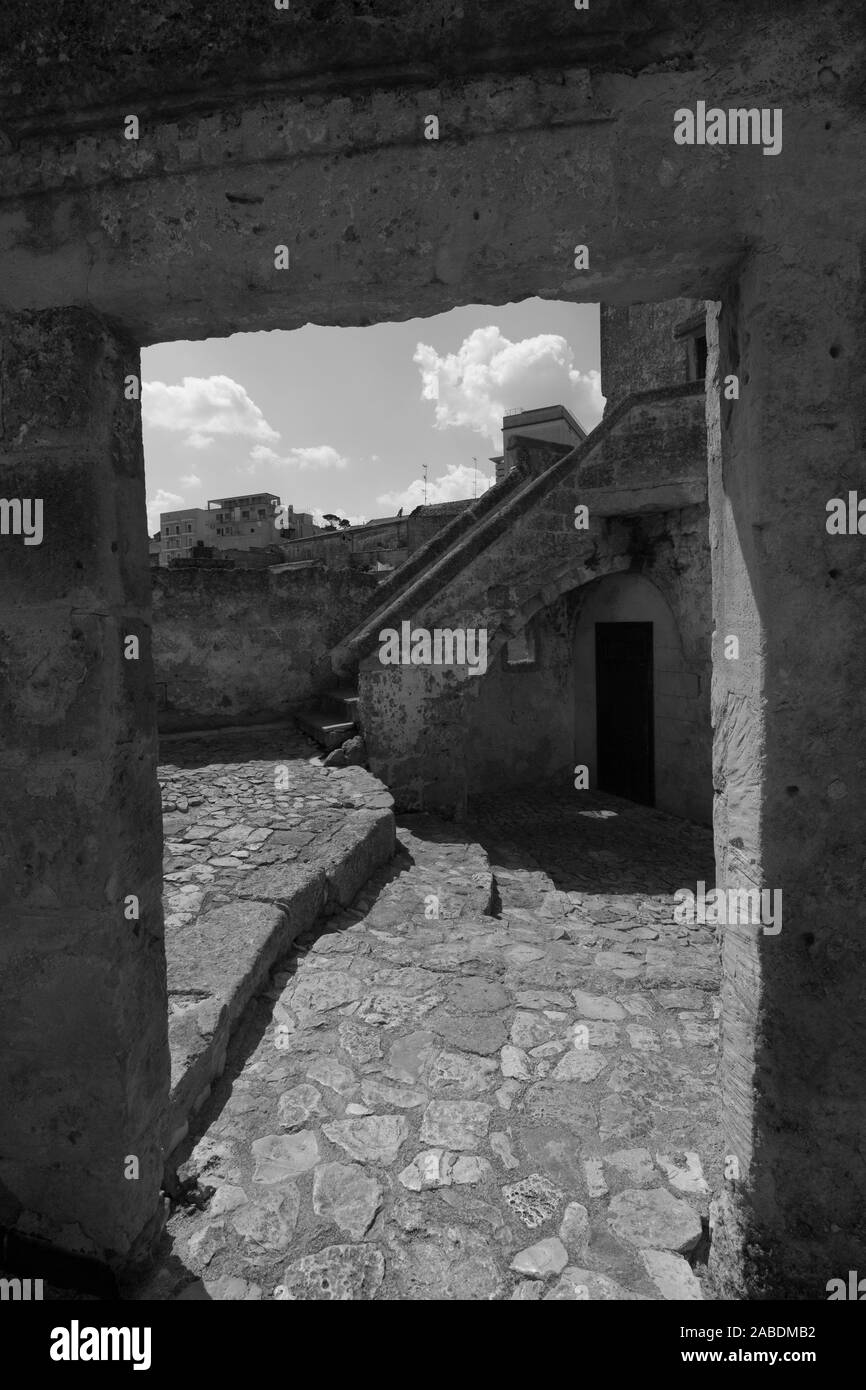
[227,523]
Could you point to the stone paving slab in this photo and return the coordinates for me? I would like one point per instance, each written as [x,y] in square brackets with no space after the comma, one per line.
[498,1102]
[260,840]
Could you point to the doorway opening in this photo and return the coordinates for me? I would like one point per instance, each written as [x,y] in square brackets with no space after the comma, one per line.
[624,710]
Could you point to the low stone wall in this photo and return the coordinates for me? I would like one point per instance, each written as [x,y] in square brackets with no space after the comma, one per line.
[233,646]
[259,843]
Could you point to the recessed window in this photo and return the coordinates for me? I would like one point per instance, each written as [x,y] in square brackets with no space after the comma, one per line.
[692,333]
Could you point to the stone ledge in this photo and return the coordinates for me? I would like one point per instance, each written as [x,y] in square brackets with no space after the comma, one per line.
[218,964]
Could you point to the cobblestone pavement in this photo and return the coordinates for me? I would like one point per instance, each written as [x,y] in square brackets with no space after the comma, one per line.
[227,812]
[513,1099]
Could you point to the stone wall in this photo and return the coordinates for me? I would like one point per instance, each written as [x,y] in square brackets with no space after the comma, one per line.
[233,646]
[669,587]
[638,347]
[532,726]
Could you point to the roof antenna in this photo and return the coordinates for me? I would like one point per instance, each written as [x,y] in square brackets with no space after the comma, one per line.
[424,471]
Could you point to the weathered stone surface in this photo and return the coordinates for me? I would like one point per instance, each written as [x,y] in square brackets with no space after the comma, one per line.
[597,1006]
[541,1260]
[475,995]
[574,1229]
[268,1221]
[684,1172]
[560,1103]
[431,1192]
[329,1072]
[363,1044]
[431,1168]
[452,1262]
[500,1143]
[339,1272]
[371,1138]
[527,1291]
[455,1124]
[671,1274]
[226,1199]
[531,1029]
[299,1105]
[281,1156]
[635,1164]
[534,1199]
[480,1033]
[470,1168]
[457,1073]
[579,1066]
[345,1194]
[555,1151]
[409,1055]
[515,1064]
[379,1094]
[655,1220]
[585,1285]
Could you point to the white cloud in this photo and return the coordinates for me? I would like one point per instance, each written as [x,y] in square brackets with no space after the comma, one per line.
[489,374]
[189,480]
[202,408]
[162,502]
[460,480]
[315,456]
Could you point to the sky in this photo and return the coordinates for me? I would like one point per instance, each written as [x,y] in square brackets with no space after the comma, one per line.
[343,420]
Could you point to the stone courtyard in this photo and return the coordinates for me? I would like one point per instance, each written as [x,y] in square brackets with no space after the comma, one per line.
[492,1076]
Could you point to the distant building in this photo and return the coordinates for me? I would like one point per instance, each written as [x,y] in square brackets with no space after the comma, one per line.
[244,523]
[179,531]
[294,526]
[153,549]
[551,422]
[227,523]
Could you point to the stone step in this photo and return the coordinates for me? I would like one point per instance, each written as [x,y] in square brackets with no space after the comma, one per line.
[343,702]
[328,729]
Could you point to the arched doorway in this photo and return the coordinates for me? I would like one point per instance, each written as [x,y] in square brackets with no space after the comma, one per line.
[641,703]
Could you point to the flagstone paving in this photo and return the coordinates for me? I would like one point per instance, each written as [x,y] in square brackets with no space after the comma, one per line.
[259,839]
[493,1077]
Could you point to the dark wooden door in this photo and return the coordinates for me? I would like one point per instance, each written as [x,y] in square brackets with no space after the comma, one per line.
[624,710]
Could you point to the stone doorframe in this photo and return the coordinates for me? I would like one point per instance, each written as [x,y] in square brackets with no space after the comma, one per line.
[105,248]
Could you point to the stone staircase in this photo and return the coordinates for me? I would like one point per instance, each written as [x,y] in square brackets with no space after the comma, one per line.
[332,719]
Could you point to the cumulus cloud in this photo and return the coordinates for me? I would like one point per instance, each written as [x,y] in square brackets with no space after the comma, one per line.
[202,408]
[489,374]
[189,480]
[162,501]
[315,456]
[459,481]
